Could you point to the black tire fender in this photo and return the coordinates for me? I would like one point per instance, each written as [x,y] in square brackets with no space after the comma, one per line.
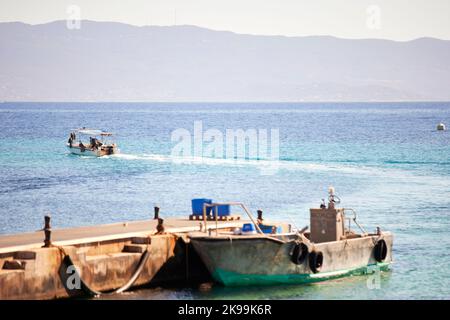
[380,250]
[315,261]
[299,253]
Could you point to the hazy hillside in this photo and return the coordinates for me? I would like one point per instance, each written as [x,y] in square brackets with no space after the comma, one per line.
[112,61]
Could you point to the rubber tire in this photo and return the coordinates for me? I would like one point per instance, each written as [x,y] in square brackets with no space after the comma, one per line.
[300,253]
[315,261]
[380,251]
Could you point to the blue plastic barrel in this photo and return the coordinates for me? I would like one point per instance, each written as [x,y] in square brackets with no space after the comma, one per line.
[222,210]
[197,206]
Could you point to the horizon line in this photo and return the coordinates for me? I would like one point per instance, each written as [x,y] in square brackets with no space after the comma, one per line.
[233,102]
[218,30]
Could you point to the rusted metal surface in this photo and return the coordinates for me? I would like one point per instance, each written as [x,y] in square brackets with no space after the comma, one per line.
[262,256]
[45,277]
[106,257]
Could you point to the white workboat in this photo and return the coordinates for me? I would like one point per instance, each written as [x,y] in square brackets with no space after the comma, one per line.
[91,142]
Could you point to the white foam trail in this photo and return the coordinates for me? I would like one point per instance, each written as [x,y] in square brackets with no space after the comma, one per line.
[391,173]
[126,156]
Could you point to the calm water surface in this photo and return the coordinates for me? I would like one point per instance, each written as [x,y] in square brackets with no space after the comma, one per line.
[387,161]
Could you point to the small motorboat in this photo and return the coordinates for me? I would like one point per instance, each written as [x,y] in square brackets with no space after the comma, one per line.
[264,253]
[440,127]
[100,143]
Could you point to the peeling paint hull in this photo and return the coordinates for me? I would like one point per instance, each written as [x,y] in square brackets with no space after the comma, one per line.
[261,261]
[233,279]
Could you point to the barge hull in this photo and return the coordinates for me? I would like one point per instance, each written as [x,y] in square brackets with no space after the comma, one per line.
[233,279]
[265,261]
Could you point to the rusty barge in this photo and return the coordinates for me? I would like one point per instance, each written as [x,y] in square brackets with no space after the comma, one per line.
[331,249]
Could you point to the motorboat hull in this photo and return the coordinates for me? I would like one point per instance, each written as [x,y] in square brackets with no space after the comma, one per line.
[259,260]
[102,151]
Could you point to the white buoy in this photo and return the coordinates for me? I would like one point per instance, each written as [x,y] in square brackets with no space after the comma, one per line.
[440,127]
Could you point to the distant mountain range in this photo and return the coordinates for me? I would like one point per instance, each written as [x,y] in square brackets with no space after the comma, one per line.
[108,61]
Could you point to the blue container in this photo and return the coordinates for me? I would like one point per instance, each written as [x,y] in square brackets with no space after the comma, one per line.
[248,228]
[197,206]
[222,210]
[268,229]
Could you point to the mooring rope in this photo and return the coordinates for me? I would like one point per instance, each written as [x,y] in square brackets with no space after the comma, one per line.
[67,260]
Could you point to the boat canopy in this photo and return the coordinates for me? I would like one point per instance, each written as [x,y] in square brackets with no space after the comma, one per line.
[92,132]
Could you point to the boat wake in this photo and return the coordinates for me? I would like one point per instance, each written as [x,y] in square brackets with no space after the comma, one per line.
[351,169]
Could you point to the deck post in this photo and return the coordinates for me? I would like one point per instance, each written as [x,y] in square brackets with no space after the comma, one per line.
[260,217]
[156,216]
[216,211]
[47,232]
[204,216]
[160,227]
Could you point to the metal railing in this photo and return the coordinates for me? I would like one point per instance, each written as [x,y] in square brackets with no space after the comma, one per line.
[354,220]
[216,214]
[247,211]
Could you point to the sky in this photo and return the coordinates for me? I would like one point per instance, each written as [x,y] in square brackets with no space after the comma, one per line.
[400,20]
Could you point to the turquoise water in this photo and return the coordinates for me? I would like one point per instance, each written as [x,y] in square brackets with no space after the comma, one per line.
[387,161]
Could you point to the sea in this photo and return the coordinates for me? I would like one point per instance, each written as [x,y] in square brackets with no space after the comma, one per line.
[387,161]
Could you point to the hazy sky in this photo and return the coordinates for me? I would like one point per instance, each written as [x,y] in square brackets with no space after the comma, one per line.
[389,19]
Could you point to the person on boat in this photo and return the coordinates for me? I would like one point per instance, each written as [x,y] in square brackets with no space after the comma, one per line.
[70,140]
[95,143]
[82,146]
